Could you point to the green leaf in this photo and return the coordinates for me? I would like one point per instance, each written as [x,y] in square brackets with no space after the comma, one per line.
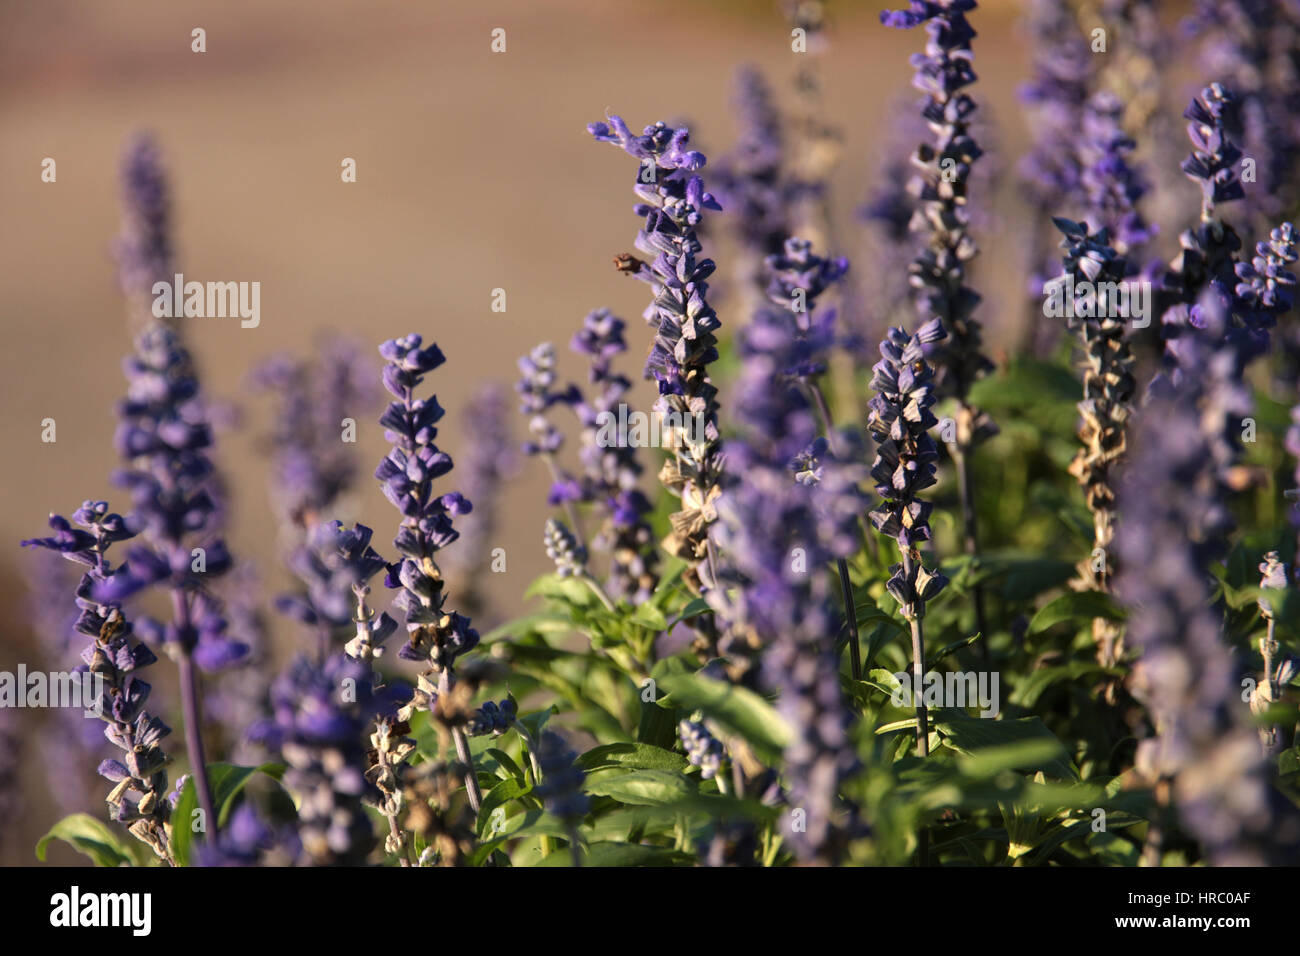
[737,709]
[568,591]
[932,661]
[650,617]
[657,725]
[970,735]
[1031,752]
[226,780]
[532,823]
[95,839]
[534,722]
[637,756]
[644,788]
[694,608]
[1029,690]
[506,763]
[182,832]
[505,791]
[1076,606]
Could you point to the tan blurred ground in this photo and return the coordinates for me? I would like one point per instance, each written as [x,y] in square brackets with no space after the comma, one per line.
[475,172]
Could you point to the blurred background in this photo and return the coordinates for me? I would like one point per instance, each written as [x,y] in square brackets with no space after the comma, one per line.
[474,173]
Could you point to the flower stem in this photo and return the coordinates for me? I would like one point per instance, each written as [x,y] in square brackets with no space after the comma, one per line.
[851,612]
[914,614]
[194,737]
[971,537]
[569,509]
[471,775]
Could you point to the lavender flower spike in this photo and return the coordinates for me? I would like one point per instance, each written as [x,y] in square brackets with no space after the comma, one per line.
[1090,263]
[938,274]
[138,799]
[407,474]
[899,421]
[165,439]
[673,202]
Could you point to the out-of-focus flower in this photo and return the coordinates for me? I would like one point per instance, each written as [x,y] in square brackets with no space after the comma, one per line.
[560,788]
[320,715]
[1174,522]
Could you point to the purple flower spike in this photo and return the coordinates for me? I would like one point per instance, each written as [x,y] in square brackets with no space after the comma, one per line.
[899,421]
[138,798]
[673,203]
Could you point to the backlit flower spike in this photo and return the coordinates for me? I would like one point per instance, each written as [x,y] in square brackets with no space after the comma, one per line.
[673,202]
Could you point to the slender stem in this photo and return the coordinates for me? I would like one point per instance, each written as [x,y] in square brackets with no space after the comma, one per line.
[850,606]
[569,508]
[399,838]
[971,537]
[823,409]
[574,846]
[191,712]
[598,591]
[1268,647]
[471,775]
[851,612]
[914,614]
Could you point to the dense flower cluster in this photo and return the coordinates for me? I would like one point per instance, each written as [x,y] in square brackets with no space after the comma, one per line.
[493,718]
[751,181]
[562,547]
[1055,99]
[740,696]
[1209,249]
[1112,185]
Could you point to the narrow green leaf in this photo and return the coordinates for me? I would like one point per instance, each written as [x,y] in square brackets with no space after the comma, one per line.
[1076,606]
[93,838]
